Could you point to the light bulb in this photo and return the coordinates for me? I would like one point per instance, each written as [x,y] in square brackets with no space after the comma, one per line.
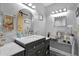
[56,11]
[30,4]
[60,10]
[64,9]
[53,12]
[33,6]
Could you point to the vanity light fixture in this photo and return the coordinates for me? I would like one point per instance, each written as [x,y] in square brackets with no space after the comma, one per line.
[56,11]
[60,14]
[60,10]
[53,12]
[30,4]
[33,6]
[64,9]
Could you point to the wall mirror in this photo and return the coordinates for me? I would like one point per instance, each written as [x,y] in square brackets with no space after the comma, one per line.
[60,21]
[24,20]
[77,12]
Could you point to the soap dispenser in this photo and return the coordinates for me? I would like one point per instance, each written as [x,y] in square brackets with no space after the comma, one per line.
[65,37]
[48,35]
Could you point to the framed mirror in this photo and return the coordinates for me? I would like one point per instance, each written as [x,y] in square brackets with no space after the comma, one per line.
[60,21]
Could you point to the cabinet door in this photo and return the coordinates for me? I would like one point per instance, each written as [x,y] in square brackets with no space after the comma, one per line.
[31,52]
[41,41]
[40,52]
[47,46]
[37,51]
[47,50]
[30,46]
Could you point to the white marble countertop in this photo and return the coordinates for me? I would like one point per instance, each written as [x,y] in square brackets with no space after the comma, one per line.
[10,49]
[28,39]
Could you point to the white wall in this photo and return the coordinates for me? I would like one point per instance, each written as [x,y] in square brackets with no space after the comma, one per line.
[13,8]
[39,26]
[77,29]
[70,16]
[9,9]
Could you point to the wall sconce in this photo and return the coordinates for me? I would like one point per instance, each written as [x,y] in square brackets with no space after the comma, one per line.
[40,17]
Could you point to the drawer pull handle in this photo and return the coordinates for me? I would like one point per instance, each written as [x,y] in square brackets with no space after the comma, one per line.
[38,51]
[42,42]
[46,52]
[34,46]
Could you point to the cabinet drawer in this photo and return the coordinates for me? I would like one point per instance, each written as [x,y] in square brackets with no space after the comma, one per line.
[41,41]
[31,53]
[47,42]
[33,45]
[47,50]
[40,52]
[30,46]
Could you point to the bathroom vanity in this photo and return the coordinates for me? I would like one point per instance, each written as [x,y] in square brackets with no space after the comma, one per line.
[35,45]
[61,49]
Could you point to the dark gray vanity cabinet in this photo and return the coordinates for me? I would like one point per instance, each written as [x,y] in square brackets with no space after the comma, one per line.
[59,49]
[36,48]
[47,47]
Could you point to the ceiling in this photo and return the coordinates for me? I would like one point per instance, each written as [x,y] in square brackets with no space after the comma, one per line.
[44,4]
[47,4]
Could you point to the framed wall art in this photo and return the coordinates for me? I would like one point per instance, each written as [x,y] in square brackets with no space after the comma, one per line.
[8,23]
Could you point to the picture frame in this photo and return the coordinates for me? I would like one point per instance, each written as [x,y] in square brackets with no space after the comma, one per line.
[8,23]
